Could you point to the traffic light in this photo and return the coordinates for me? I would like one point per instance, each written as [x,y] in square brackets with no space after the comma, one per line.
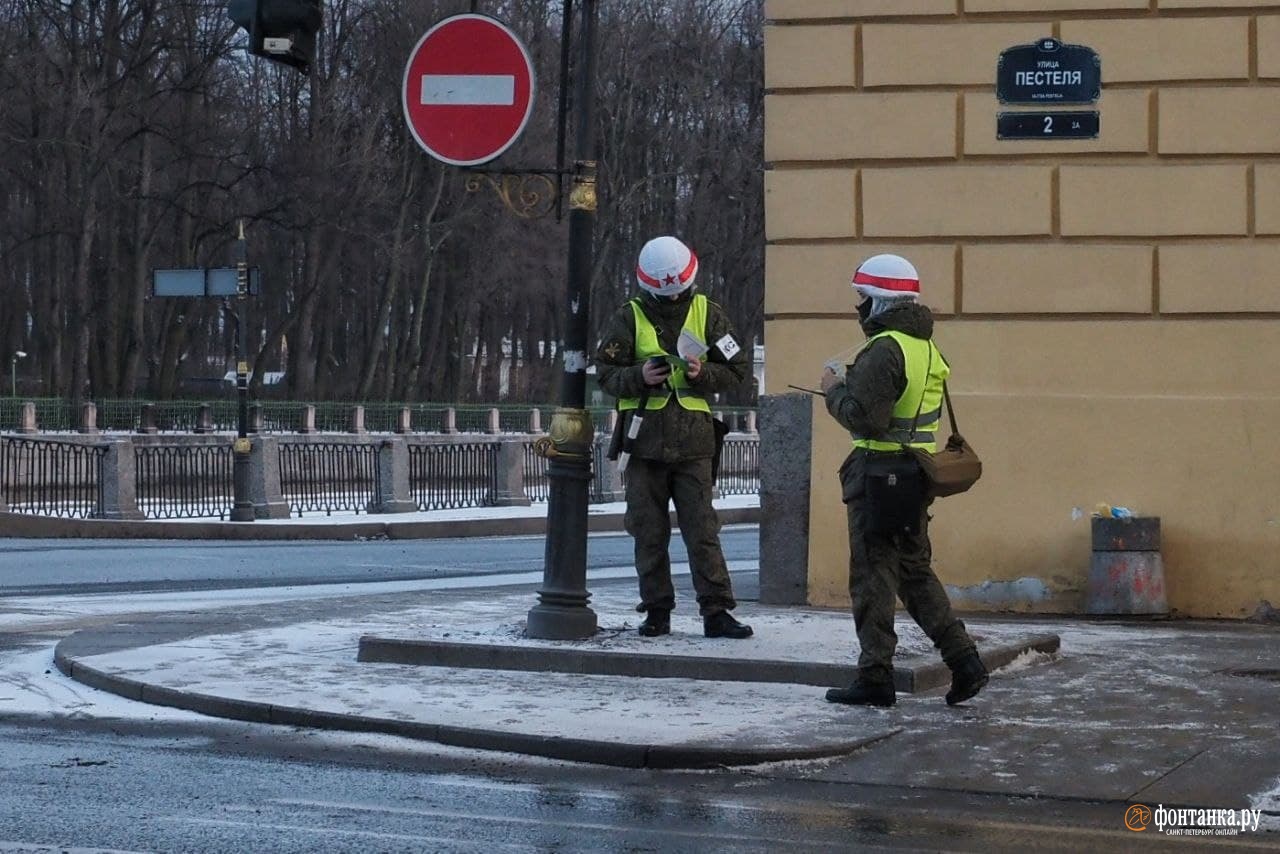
[280,30]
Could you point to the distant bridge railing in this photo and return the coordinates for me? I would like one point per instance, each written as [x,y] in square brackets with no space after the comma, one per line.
[168,476]
[453,475]
[50,477]
[178,480]
[24,415]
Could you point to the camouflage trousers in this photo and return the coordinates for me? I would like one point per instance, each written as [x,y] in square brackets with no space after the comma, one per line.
[651,485]
[882,567]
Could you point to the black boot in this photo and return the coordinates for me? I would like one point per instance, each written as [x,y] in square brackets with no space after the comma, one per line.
[864,693]
[968,675]
[656,622]
[722,625]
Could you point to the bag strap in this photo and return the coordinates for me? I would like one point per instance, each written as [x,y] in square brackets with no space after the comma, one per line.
[928,367]
[946,397]
[951,410]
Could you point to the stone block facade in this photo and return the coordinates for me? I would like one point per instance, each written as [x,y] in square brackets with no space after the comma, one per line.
[1108,304]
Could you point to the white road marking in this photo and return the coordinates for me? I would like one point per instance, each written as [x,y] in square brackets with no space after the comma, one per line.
[10,845]
[559,823]
[259,826]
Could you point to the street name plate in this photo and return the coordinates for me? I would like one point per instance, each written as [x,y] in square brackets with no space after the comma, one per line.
[178,283]
[222,281]
[201,282]
[1066,124]
[1048,72]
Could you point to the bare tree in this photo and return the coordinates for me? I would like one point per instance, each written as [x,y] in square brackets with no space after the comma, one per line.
[138,132]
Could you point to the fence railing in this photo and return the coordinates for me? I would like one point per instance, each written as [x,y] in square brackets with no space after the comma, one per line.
[173,481]
[48,477]
[538,486]
[275,416]
[739,467]
[453,475]
[329,476]
[167,477]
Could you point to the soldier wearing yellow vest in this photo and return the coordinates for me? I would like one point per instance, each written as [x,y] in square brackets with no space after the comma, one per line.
[671,456]
[891,397]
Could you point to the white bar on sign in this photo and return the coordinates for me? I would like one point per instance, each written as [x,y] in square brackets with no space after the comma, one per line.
[497,90]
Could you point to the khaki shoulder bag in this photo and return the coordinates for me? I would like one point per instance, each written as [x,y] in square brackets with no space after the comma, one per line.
[955,467]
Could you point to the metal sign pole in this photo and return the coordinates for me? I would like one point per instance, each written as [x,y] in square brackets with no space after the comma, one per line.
[242,511]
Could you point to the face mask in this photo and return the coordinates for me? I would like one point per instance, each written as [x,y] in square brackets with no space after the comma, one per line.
[673,298]
[864,309]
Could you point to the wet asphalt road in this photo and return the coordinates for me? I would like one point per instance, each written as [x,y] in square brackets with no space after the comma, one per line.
[45,567]
[226,787]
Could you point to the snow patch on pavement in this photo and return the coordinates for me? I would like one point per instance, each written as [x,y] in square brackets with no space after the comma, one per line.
[31,685]
[1024,661]
[1269,803]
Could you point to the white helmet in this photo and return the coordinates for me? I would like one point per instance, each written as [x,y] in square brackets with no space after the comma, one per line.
[666,267]
[887,277]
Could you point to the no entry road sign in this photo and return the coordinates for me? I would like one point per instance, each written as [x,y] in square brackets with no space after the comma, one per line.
[468,90]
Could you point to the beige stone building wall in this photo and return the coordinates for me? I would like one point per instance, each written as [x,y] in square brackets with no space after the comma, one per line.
[1109,306]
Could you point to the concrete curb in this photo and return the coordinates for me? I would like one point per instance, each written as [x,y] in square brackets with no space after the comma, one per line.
[908,678]
[45,527]
[614,753]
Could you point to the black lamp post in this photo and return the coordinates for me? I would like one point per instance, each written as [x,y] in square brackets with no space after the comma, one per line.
[562,612]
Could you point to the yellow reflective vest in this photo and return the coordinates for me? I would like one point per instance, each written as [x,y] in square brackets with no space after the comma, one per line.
[926,371]
[647,346]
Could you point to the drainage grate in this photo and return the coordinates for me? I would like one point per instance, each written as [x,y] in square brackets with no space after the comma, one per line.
[1270,674]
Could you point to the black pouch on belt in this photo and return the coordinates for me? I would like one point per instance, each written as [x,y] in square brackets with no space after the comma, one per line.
[721,430]
[895,493]
[619,432]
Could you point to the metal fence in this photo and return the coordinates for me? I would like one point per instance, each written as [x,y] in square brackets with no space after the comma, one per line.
[537,486]
[48,477]
[453,475]
[192,477]
[174,481]
[170,416]
[53,413]
[739,467]
[280,416]
[328,476]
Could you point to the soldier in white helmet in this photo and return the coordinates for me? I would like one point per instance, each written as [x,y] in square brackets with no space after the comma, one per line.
[671,455]
[890,399]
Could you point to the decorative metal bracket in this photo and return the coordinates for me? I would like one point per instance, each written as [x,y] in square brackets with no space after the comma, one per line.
[583,195]
[529,195]
[570,435]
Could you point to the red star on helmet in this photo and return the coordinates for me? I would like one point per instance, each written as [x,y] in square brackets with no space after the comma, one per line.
[669,280]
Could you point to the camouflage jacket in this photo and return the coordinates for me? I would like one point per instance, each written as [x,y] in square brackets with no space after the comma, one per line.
[671,434]
[863,403]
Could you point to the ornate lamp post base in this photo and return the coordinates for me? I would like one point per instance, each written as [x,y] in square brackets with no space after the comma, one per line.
[562,612]
[553,622]
[242,510]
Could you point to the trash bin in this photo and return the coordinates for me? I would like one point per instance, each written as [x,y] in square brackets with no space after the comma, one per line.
[1126,573]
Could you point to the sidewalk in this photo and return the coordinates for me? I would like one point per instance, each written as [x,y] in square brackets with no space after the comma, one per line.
[347,525]
[1125,711]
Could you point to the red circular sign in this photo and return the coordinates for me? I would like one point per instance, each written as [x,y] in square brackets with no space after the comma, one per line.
[468,90]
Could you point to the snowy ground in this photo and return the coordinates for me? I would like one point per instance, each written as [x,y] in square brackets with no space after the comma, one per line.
[312,665]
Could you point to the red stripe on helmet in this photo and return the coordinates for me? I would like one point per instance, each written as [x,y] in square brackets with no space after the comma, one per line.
[684,276]
[911,285]
[692,267]
[646,278]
